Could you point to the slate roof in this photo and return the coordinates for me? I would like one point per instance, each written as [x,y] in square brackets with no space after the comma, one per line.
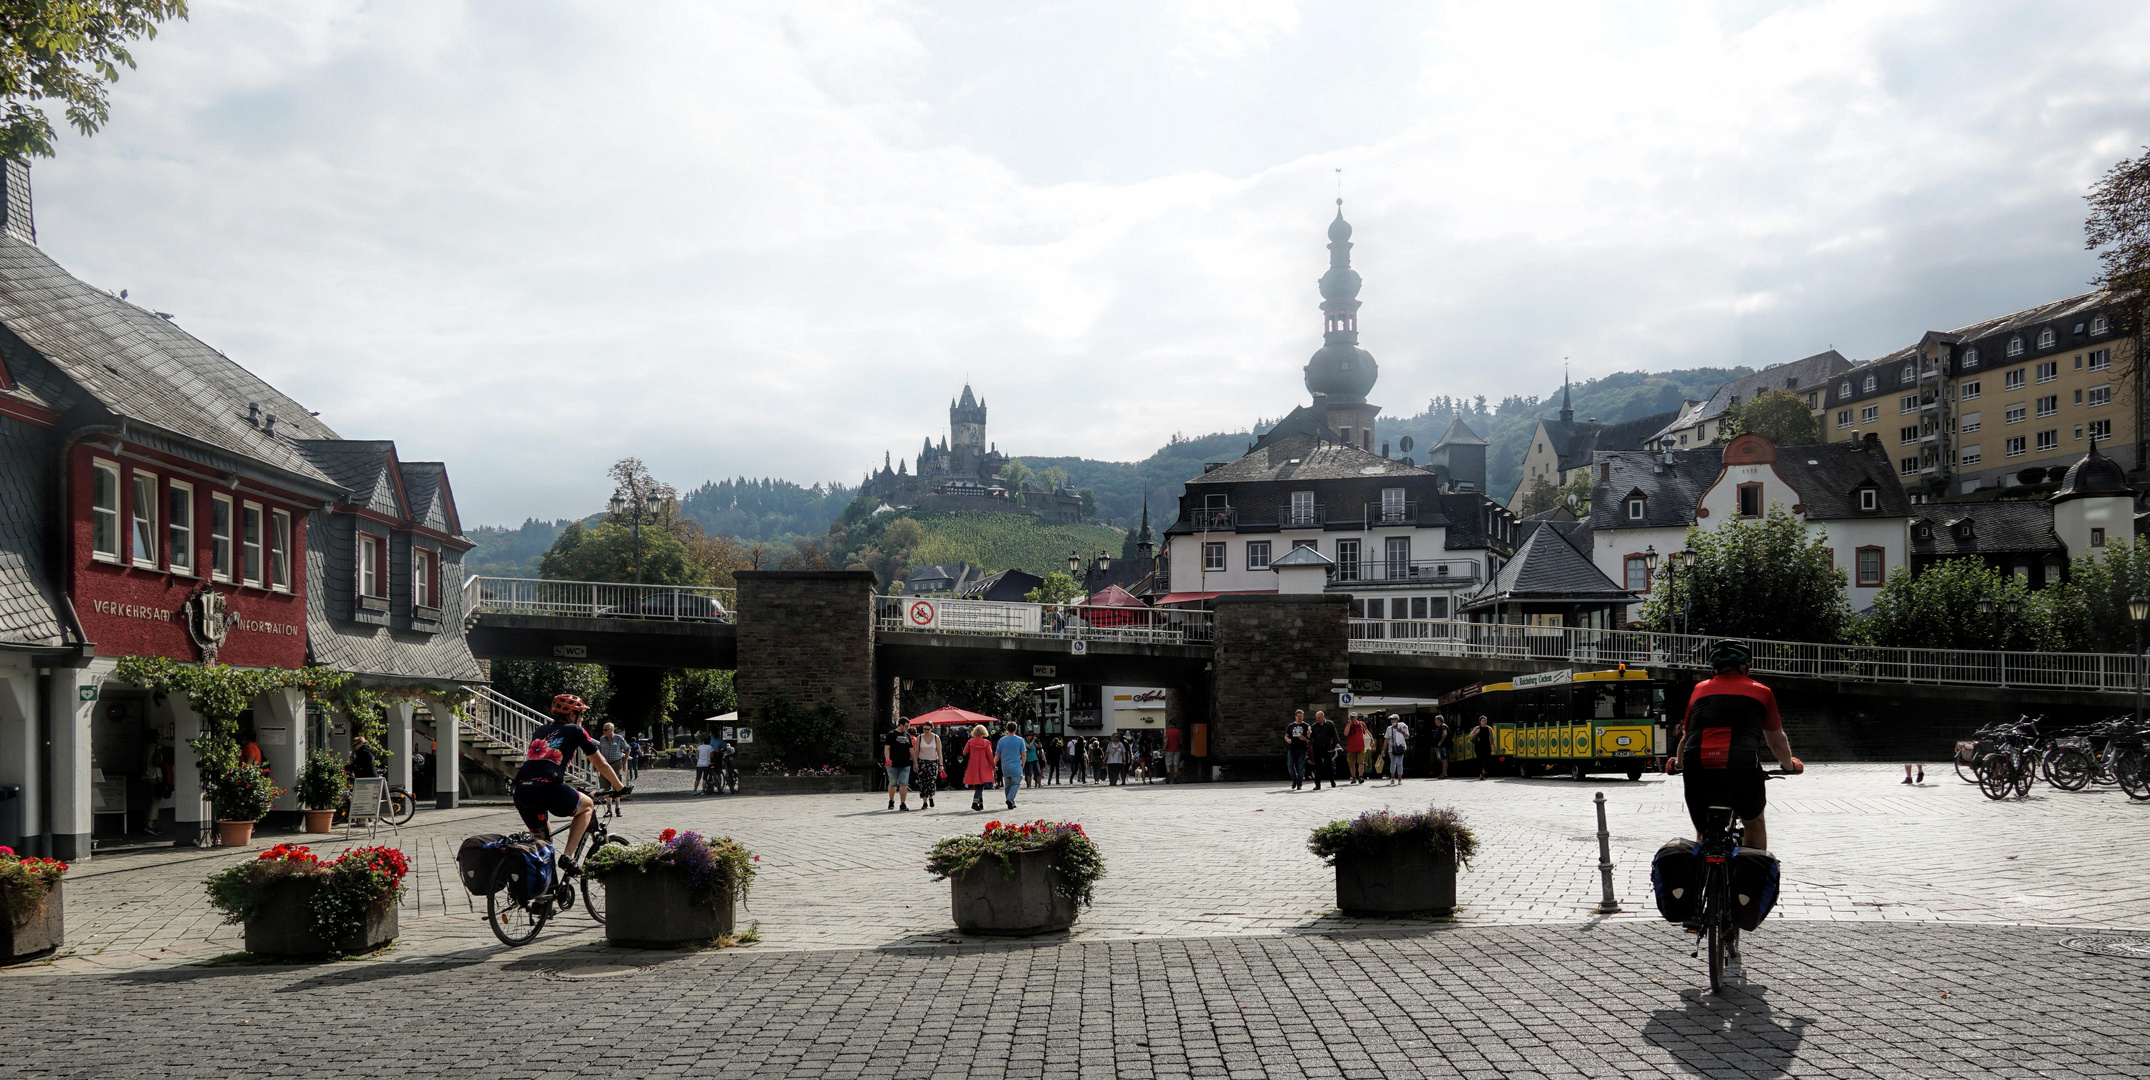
[1829,476]
[1019,581]
[1306,457]
[1670,491]
[29,609]
[1996,527]
[1300,421]
[2091,476]
[937,577]
[380,650]
[366,466]
[2058,313]
[1802,374]
[145,368]
[1459,434]
[1547,569]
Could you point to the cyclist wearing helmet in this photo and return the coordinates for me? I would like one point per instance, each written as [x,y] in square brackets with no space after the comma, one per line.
[1728,719]
[541,785]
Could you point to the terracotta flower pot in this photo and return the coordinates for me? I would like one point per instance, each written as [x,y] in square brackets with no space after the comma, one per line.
[235,833]
[319,821]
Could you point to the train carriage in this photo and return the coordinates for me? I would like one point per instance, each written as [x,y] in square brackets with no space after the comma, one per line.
[1573,722]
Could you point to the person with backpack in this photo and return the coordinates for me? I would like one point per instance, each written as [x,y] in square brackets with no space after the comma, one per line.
[1398,738]
[541,786]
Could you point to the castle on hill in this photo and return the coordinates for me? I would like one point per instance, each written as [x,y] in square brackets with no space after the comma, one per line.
[963,473]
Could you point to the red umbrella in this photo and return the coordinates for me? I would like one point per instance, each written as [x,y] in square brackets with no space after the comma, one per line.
[949,714]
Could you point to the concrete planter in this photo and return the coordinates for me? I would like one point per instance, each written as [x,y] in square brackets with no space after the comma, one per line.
[986,900]
[800,785]
[654,909]
[285,926]
[41,931]
[1409,878]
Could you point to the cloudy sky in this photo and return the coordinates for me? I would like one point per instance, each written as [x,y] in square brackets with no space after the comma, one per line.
[773,239]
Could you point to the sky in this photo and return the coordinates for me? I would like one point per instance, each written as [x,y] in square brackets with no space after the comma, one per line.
[530,238]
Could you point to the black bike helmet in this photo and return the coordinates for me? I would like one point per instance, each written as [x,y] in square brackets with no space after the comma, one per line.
[1729,652]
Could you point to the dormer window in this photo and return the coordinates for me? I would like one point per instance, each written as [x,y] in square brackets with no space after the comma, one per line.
[1909,374]
[1970,357]
[1869,499]
[1926,532]
[2046,337]
[2015,345]
[1844,390]
[1963,529]
[1870,384]
[1636,507]
[2099,325]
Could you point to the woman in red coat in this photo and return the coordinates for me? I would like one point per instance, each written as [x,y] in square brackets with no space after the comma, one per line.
[1355,742]
[978,766]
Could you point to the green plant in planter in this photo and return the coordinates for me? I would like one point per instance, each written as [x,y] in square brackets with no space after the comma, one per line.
[1080,861]
[24,882]
[350,885]
[1378,830]
[716,869]
[244,792]
[322,783]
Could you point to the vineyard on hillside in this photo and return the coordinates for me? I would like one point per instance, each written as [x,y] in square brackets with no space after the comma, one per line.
[1007,541]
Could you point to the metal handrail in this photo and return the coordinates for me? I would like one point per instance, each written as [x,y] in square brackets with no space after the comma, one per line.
[2106,673]
[1376,569]
[513,724]
[597,599]
[1067,622]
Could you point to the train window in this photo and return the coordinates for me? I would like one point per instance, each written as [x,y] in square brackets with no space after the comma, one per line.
[1604,699]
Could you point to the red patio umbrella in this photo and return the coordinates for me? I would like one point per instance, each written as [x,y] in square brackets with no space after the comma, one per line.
[949,714]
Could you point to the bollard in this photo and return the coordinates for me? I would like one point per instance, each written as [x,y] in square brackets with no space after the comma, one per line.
[1608,904]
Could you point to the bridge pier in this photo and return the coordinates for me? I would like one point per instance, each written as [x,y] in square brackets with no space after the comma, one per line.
[1275,652]
[807,635]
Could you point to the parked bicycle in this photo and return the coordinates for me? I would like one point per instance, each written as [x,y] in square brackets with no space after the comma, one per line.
[517,920]
[2096,755]
[2011,767]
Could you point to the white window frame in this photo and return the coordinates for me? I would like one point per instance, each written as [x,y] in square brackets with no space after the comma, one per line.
[1398,567]
[2101,429]
[2048,405]
[179,553]
[142,534]
[1869,499]
[1265,552]
[2048,441]
[1968,390]
[2013,380]
[1637,508]
[369,564]
[223,545]
[2014,414]
[1970,358]
[2049,371]
[2015,345]
[253,565]
[1633,567]
[1974,454]
[2047,337]
[2018,446]
[1907,403]
[2101,395]
[1971,422]
[2099,324]
[1869,385]
[107,513]
[280,550]
[1870,413]
[424,561]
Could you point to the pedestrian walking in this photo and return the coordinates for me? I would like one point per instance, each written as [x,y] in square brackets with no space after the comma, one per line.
[702,754]
[1054,747]
[926,775]
[1907,773]
[897,756]
[1033,763]
[1441,736]
[1095,753]
[1011,749]
[978,766]
[1482,745]
[1295,747]
[1398,738]
[1356,740]
[1325,744]
[614,748]
[1172,754]
[1116,759]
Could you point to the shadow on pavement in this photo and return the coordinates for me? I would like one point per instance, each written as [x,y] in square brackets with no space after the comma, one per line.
[1731,1036]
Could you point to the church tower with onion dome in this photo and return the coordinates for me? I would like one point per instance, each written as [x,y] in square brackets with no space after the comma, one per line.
[1341,374]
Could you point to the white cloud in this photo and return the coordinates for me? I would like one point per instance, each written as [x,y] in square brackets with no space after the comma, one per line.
[774,238]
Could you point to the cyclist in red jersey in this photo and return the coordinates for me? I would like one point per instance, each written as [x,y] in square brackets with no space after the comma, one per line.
[1729,717]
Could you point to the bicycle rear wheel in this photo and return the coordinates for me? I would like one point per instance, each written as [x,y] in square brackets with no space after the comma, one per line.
[2133,771]
[1716,932]
[401,807]
[1995,780]
[2025,774]
[593,888]
[513,921]
[2069,769]
[1967,773]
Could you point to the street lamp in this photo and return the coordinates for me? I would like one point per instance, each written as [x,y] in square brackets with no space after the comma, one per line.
[2138,610]
[620,504]
[1074,562]
[1985,605]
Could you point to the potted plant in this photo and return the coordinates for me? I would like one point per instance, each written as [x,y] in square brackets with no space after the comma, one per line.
[243,795]
[30,906]
[294,904]
[323,785]
[680,890]
[1019,879]
[1396,864]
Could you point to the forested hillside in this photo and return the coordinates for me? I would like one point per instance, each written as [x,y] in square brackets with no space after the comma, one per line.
[765,509]
[504,552]
[1119,485]
[1007,541]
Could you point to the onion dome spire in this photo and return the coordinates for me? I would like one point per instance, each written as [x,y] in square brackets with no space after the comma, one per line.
[1340,370]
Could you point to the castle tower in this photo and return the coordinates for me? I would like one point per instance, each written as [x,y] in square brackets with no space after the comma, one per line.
[966,433]
[1340,374]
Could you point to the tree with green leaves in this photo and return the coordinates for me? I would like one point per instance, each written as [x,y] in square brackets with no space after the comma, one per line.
[2089,612]
[1769,579]
[534,682]
[1575,494]
[608,553]
[1015,474]
[1946,606]
[1539,495]
[1058,588]
[696,694]
[66,52]
[1780,416]
[2118,229]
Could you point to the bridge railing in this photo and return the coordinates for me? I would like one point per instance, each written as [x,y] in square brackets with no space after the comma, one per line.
[1073,622]
[598,599]
[2091,672]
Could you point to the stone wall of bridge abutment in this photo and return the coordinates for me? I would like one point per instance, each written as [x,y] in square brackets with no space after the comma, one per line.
[808,636]
[1275,653]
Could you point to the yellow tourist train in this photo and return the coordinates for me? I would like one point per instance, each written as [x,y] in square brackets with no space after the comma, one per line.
[1576,722]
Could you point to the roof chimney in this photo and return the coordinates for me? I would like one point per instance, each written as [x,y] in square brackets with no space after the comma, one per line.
[15,216]
[1872,441]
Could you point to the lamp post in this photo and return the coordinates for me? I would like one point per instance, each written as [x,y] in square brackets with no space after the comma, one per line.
[2138,610]
[1685,560]
[620,504]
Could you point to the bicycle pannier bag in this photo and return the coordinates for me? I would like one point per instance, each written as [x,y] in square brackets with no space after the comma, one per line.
[1754,886]
[475,860]
[532,863]
[1676,879]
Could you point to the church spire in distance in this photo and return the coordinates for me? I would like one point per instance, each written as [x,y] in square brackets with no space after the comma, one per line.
[1340,370]
[1567,409]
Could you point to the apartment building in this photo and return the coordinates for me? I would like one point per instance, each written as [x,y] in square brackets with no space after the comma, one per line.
[1984,405]
[1699,422]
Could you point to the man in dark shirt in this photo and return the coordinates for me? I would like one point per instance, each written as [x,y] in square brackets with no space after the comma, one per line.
[541,785]
[1482,745]
[1324,742]
[897,749]
[1295,747]
[1440,734]
[362,761]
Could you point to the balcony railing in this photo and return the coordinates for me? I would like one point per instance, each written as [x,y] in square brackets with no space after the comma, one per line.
[1073,622]
[2109,673]
[1209,518]
[1303,517]
[598,600]
[1392,513]
[1402,572]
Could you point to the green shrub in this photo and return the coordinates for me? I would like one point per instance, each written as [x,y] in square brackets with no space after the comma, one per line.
[323,782]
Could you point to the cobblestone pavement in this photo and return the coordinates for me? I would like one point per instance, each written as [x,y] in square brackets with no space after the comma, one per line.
[838,871]
[1842,1000]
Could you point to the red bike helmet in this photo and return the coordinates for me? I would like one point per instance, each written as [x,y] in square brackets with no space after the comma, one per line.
[568,705]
